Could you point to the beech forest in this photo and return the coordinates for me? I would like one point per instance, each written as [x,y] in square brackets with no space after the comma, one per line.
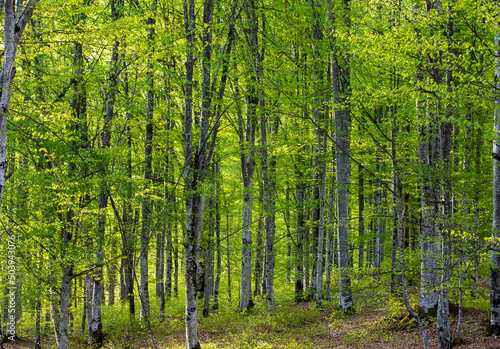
[250,174]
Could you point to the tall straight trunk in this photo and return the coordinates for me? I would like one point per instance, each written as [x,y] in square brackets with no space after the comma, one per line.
[494,328]
[79,109]
[15,21]
[65,304]
[111,283]
[396,182]
[176,259]
[148,158]
[443,311]
[330,252]
[246,135]
[477,184]
[190,236]
[268,179]
[54,307]
[299,254]
[196,161]
[268,165]
[428,151]
[209,264]
[361,221]
[218,247]
[288,237]
[38,310]
[307,238]
[94,315]
[160,257]
[228,259]
[169,226]
[319,159]
[321,230]
[169,194]
[195,167]
[128,224]
[259,255]
[341,89]
[429,159]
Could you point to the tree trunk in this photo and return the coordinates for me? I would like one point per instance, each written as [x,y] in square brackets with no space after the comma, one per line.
[443,313]
[209,265]
[341,90]
[395,279]
[218,248]
[361,221]
[15,21]
[259,255]
[128,221]
[246,135]
[330,238]
[494,328]
[299,256]
[148,158]
[228,259]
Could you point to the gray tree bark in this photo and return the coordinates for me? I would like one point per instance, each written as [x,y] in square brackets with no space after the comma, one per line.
[148,158]
[443,311]
[94,315]
[429,159]
[361,221]
[341,89]
[15,21]
[246,135]
[494,328]
[218,248]
[330,238]
[299,256]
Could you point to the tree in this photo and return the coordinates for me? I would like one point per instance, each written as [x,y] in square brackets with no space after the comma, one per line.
[341,90]
[94,318]
[494,327]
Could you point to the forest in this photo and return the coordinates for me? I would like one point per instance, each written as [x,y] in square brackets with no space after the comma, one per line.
[185,168]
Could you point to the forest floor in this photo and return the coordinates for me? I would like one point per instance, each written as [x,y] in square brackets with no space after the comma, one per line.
[375,324]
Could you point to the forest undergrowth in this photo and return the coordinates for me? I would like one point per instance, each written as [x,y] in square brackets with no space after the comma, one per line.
[377,323]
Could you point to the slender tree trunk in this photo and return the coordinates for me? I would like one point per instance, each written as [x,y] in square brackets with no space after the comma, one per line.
[228,259]
[341,90]
[190,236]
[209,265]
[55,312]
[148,158]
[128,221]
[94,316]
[246,134]
[377,203]
[288,243]
[494,328]
[330,238]
[218,248]
[361,221]
[443,313]
[395,279]
[306,233]
[259,255]
[299,257]
[429,158]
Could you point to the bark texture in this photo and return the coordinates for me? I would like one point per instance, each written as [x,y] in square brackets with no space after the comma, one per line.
[341,87]
[494,328]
